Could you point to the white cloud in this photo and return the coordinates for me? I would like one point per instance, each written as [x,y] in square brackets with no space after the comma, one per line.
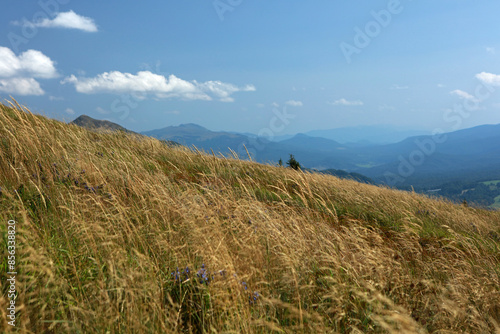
[294,103]
[18,73]
[69,111]
[463,95]
[222,90]
[56,98]
[146,83]
[275,105]
[344,102]
[31,63]
[489,78]
[21,86]
[491,50]
[398,87]
[67,20]
[441,85]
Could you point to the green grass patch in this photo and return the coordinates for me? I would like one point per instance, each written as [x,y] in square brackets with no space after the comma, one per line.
[496,205]
[489,183]
[265,195]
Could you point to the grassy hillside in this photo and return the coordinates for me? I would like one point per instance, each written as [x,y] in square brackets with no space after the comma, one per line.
[122,234]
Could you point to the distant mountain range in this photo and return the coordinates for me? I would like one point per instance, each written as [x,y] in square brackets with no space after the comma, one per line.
[193,134]
[311,151]
[421,161]
[427,160]
[362,135]
[367,135]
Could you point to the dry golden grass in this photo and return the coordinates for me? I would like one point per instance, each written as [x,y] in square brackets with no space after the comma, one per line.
[105,220]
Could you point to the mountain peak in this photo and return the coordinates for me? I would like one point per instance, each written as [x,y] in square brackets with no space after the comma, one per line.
[88,122]
[192,126]
[301,136]
[83,118]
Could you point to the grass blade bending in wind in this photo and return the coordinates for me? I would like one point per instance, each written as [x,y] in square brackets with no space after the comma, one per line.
[125,234]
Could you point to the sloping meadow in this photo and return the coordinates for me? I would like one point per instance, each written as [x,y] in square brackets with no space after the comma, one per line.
[121,233]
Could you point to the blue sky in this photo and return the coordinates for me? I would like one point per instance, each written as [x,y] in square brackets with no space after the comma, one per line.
[235,65]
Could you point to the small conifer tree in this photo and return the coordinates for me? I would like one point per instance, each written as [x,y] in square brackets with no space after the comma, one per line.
[292,163]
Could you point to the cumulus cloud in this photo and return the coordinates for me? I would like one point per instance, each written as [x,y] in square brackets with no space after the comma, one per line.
[344,102]
[463,95]
[67,20]
[69,111]
[294,103]
[222,90]
[146,83]
[21,86]
[489,78]
[31,63]
[18,73]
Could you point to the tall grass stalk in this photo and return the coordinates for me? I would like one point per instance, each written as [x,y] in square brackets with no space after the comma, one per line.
[121,233]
